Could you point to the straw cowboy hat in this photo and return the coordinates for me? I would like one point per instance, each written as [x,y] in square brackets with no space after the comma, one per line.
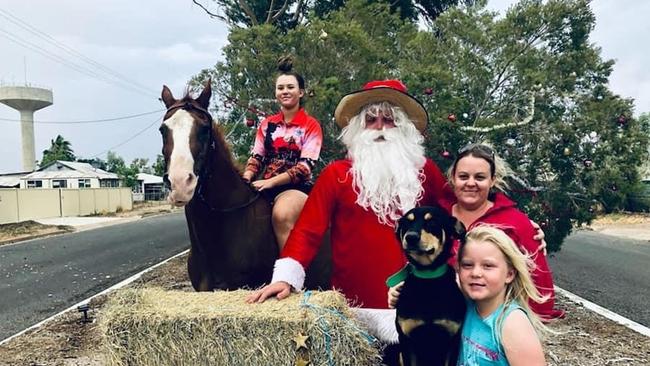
[392,91]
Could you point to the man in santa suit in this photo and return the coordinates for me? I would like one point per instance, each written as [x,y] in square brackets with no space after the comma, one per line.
[361,197]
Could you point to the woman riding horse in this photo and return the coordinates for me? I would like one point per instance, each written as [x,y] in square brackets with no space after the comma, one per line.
[286,144]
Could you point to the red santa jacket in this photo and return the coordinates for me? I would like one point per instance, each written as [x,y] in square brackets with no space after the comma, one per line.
[516,224]
[364,252]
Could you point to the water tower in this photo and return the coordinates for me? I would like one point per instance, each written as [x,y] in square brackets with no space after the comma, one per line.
[26,100]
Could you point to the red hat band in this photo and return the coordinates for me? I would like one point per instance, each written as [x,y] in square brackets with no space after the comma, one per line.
[393,84]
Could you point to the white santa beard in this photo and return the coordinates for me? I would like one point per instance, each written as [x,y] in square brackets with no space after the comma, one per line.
[386,174]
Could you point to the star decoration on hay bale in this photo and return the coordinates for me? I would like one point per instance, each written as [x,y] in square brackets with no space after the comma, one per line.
[301,341]
[302,362]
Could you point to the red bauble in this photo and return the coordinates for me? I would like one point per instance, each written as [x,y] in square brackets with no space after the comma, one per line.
[428,91]
[250,122]
[622,119]
[451,117]
[445,154]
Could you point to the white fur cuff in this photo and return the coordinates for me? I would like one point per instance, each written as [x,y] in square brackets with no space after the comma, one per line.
[380,323]
[290,271]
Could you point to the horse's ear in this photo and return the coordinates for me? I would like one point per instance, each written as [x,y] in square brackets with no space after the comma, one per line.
[204,98]
[167,97]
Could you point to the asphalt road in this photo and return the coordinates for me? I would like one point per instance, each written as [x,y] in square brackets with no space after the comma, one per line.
[609,271]
[39,278]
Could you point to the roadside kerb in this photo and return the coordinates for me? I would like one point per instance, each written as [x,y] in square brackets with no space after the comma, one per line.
[639,328]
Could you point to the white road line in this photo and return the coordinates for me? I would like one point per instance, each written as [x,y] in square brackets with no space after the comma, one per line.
[114,287]
[605,312]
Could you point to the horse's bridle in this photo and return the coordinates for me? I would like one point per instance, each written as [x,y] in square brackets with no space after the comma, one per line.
[205,173]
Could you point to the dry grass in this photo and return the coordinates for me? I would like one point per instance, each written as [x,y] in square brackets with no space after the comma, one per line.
[27,229]
[219,328]
[623,218]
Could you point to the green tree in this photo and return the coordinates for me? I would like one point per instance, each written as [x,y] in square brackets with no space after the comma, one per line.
[114,162]
[159,166]
[60,149]
[142,165]
[528,82]
[246,13]
[288,14]
[244,82]
[128,174]
[532,85]
[95,162]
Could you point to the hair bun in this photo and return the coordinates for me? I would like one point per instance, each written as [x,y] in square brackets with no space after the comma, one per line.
[285,63]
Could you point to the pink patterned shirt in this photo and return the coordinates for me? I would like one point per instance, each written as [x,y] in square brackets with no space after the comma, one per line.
[287,147]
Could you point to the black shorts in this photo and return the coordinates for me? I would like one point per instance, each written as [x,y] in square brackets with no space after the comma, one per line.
[271,194]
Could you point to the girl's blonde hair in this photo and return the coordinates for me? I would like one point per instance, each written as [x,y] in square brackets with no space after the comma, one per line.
[499,168]
[522,288]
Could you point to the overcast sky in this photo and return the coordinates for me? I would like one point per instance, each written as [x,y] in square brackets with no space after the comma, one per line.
[150,43]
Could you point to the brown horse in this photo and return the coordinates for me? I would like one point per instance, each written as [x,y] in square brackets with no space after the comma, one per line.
[232,240]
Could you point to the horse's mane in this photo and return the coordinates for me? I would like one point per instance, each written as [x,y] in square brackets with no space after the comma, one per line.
[222,146]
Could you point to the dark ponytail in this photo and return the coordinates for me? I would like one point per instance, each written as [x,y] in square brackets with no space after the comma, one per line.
[285,65]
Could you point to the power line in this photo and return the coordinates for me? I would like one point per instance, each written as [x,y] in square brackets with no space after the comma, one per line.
[21,23]
[22,42]
[82,69]
[157,120]
[88,121]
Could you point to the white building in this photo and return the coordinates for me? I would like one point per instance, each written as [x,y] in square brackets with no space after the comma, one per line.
[11,180]
[149,188]
[68,174]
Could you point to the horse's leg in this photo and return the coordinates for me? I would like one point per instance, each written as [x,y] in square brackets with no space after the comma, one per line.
[197,268]
[201,280]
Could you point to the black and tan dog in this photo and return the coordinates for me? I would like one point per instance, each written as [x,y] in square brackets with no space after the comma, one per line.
[431,308]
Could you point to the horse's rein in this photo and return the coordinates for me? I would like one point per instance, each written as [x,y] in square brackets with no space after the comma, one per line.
[187,105]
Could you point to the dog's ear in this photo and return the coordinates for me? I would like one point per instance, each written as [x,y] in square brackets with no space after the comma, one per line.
[457,228]
[398,230]
[401,224]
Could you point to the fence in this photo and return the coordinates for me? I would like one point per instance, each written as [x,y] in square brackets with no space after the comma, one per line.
[28,204]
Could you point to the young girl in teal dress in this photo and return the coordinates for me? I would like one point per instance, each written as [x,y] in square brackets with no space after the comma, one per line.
[499,327]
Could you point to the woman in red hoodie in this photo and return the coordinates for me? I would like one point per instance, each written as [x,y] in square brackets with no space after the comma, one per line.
[476,177]
[477,180]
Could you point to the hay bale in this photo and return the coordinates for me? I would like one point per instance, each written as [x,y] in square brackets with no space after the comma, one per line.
[158,327]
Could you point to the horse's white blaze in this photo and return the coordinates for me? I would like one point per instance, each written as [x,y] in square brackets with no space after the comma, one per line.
[181,161]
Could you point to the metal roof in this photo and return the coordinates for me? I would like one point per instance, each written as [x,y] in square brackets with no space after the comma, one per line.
[75,170]
[9,181]
[149,178]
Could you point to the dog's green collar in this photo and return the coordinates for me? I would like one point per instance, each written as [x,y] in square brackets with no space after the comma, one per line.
[419,273]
